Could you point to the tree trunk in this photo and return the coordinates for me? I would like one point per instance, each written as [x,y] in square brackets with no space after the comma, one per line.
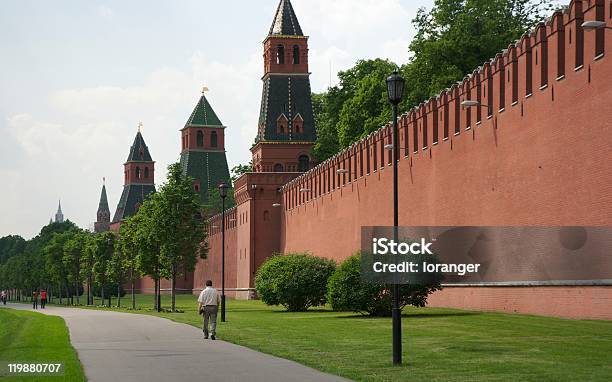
[88,290]
[59,288]
[173,287]
[133,286]
[119,295]
[76,285]
[155,296]
[67,294]
[102,292]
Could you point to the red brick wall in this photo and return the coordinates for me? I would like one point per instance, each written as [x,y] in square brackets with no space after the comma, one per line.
[542,160]
[572,301]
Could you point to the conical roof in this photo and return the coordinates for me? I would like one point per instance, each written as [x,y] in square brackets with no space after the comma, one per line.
[285,21]
[103,205]
[139,152]
[203,115]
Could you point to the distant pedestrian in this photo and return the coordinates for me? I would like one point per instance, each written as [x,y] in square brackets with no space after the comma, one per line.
[3,297]
[208,305]
[35,300]
[43,299]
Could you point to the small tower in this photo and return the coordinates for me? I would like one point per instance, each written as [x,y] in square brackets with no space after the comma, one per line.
[138,175]
[102,223]
[286,130]
[203,148]
[59,216]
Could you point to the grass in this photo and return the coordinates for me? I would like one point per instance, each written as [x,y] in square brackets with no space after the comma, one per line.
[439,344]
[28,337]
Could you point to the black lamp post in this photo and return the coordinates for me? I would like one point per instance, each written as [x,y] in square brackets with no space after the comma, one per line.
[223,193]
[395,90]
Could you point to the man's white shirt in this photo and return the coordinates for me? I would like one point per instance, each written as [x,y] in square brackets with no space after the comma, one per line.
[209,296]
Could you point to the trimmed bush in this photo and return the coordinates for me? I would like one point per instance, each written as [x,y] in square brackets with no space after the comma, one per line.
[296,281]
[346,291]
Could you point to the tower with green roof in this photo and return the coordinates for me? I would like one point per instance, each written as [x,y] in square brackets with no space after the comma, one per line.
[203,149]
[139,180]
[286,129]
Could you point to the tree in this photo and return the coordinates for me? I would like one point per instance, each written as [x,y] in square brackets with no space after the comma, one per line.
[456,36]
[103,251]
[128,241]
[452,39]
[74,248]
[115,269]
[147,239]
[240,169]
[215,204]
[178,210]
[11,246]
[54,255]
[87,260]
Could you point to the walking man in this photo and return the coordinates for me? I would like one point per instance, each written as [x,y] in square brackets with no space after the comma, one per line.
[208,305]
[3,297]
[35,299]
[43,299]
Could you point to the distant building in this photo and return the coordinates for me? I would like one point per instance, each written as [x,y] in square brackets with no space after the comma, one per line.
[102,223]
[139,181]
[203,149]
[59,216]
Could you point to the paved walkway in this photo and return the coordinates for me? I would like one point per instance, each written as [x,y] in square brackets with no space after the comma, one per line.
[115,346]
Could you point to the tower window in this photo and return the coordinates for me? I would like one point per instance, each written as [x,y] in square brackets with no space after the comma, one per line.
[296,55]
[303,163]
[146,173]
[282,124]
[200,138]
[137,172]
[213,139]
[298,124]
[280,54]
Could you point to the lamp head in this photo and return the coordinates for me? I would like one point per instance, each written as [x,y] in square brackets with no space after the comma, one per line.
[395,88]
[223,190]
[593,24]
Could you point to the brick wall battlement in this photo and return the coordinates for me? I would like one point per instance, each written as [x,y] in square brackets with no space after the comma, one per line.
[536,65]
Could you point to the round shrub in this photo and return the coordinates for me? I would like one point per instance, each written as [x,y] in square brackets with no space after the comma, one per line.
[348,292]
[295,281]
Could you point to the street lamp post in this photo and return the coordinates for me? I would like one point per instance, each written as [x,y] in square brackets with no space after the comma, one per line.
[223,193]
[395,89]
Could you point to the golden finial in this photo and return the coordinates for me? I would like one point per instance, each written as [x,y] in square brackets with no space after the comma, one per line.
[139,126]
[204,89]
[104,180]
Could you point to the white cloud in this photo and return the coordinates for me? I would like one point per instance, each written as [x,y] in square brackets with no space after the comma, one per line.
[60,143]
[104,11]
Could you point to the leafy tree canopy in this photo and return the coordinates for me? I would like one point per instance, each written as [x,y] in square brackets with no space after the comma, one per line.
[452,39]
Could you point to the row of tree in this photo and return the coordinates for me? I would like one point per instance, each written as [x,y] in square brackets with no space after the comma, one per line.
[162,241]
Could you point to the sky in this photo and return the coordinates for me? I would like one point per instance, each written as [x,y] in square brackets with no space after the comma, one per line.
[76,77]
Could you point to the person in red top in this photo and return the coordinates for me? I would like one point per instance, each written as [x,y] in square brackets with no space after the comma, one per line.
[43,299]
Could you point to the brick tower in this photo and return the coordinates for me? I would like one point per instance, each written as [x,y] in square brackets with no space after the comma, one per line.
[286,130]
[102,223]
[203,149]
[138,180]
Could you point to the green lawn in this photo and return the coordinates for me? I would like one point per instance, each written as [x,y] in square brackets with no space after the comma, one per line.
[439,344]
[27,337]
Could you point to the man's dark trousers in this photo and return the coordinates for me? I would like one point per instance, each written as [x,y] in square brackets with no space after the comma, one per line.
[210,313]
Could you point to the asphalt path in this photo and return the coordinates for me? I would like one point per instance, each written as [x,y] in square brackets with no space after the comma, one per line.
[114,346]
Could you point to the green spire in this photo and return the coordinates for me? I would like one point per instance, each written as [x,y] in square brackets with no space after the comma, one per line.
[203,114]
[103,205]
